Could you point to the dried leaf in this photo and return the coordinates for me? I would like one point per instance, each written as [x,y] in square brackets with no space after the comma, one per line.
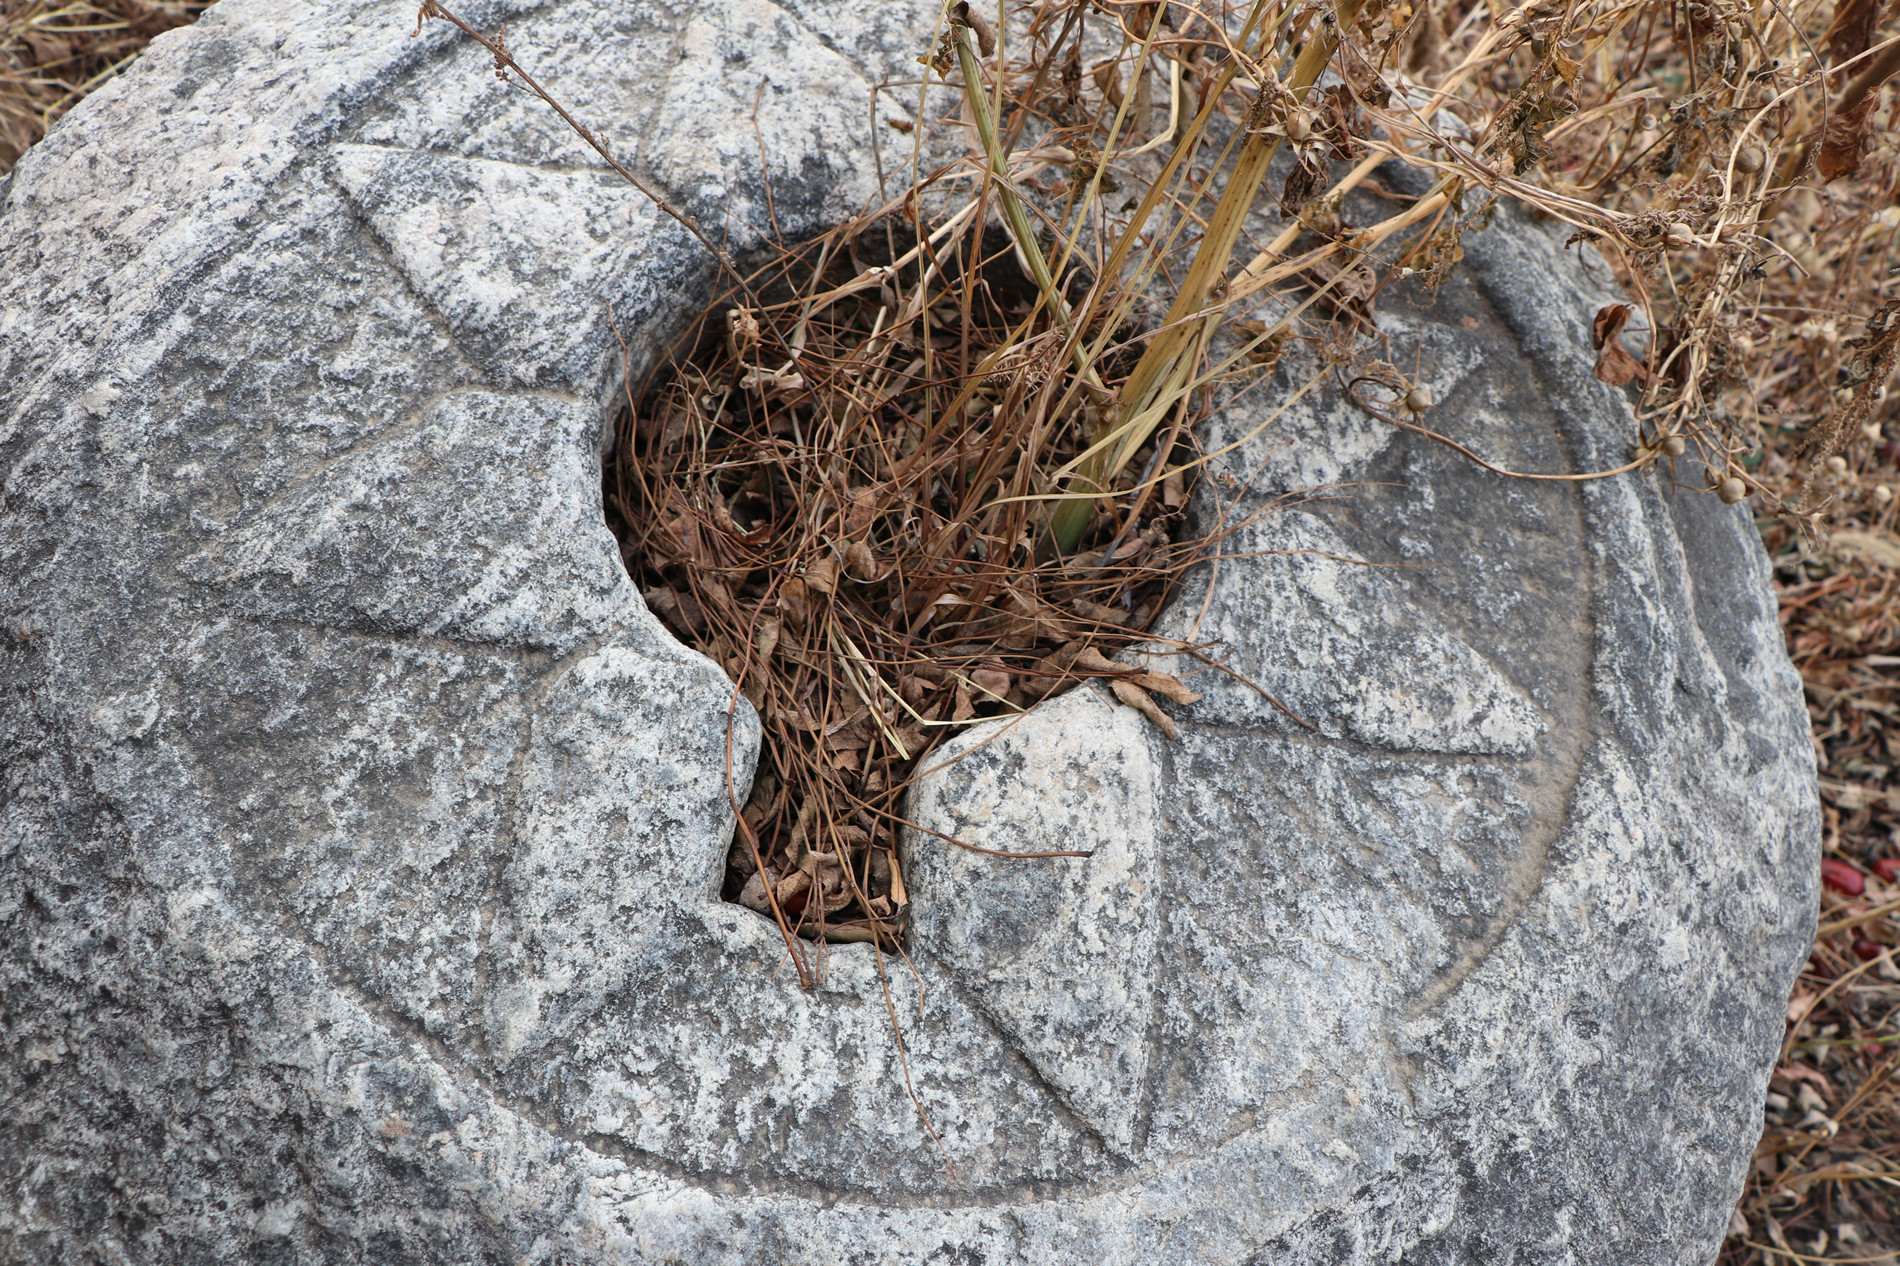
[771,385]
[1173,491]
[963,15]
[791,886]
[663,602]
[1614,363]
[1099,613]
[1304,181]
[859,561]
[1608,323]
[1093,661]
[964,709]
[899,893]
[1844,140]
[1352,284]
[793,603]
[767,638]
[1108,78]
[855,717]
[912,690]
[993,681]
[797,718]
[1164,684]
[822,575]
[1340,124]
[860,509]
[1616,366]
[852,738]
[1852,31]
[1141,701]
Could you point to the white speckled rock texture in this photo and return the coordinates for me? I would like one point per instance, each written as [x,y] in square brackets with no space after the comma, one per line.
[361,832]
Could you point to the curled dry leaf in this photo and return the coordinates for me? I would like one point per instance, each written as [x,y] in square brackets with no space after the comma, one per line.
[1093,662]
[767,640]
[822,575]
[1143,702]
[860,562]
[1614,364]
[1844,139]
[793,602]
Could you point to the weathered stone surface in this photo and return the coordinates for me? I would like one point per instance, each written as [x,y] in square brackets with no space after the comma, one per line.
[361,831]
[1485,860]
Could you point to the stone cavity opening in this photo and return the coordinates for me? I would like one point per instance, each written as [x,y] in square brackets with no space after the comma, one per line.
[838,489]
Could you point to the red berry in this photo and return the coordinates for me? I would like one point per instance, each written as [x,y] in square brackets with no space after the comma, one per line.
[1867,949]
[1838,874]
[1887,868]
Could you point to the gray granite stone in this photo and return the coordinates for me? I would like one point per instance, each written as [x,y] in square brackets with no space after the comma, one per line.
[361,832]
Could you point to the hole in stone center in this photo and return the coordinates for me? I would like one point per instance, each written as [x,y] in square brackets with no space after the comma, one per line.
[840,488]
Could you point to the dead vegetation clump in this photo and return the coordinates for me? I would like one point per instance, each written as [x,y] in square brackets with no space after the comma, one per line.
[839,498]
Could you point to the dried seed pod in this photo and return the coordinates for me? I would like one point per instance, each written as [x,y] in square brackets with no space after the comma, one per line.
[1299,125]
[1731,490]
[1749,159]
[1882,494]
[1419,398]
[1675,445]
[1837,465]
[1680,236]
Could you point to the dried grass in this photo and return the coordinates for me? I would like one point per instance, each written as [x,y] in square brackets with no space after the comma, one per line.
[52,54]
[837,499]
